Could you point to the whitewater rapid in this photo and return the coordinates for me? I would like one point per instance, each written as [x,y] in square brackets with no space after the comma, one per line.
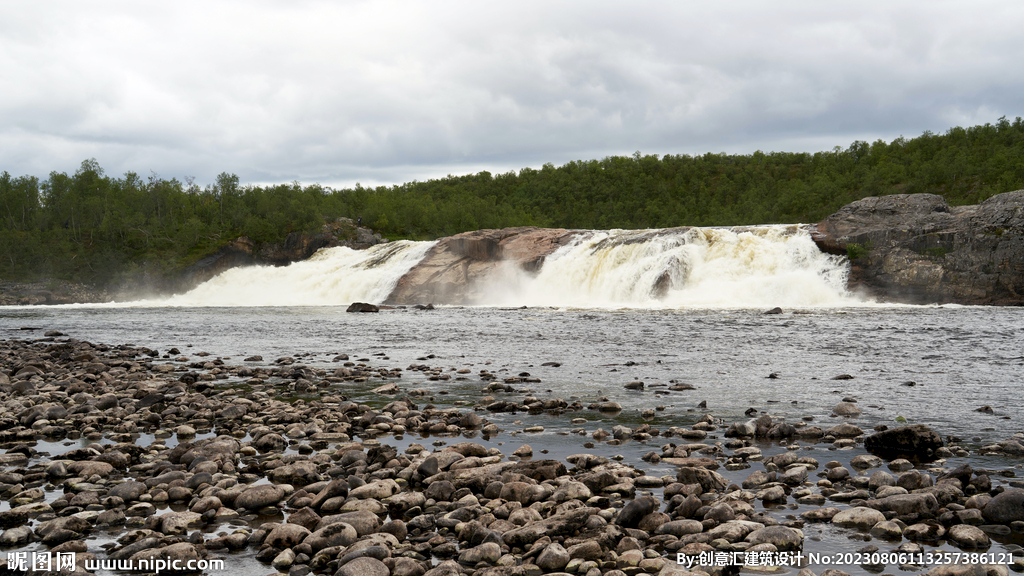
[331,277]
[752,267]
[748,267]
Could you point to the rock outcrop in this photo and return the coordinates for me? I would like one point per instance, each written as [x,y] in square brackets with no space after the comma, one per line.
[459,269]
[915,248]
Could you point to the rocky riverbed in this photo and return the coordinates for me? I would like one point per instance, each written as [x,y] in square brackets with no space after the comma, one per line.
[49,293]
[127,453]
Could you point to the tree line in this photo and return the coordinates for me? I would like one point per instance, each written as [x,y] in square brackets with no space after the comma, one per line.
[95,228]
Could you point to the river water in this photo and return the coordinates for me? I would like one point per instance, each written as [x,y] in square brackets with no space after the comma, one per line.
[958,358]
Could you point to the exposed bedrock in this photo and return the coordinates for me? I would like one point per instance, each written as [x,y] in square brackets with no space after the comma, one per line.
[915,248]
[461,269]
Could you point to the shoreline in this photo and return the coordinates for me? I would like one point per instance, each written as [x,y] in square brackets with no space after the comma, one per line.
[291,462]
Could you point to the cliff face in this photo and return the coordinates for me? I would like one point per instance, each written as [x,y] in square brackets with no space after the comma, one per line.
[915,248]
[458,268]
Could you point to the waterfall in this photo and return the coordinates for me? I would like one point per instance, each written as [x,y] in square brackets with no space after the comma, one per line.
[331,277]
[741,267]
[746,267]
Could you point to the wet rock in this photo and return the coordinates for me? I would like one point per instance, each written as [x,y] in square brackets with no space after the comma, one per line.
[18,536]
[177,523]
[362,307]
[900,465]
[866,461]
[388,389]
[488,552]
[523,451]
[969,537]
[181,553]
[14,517]
[1005,507]
[336,534]
[633,511]
[363,521]
[572,491]
[128,491]
[62,529]
[794,476]
[90,468]
[284,560]
[820,514]
[772,494]
[680,528]
[887,530]
[364,566]
[734,530]
[914,480]
[256,497]
[553,558]
[297,474]
[557,525]
[928,531]
[782,537]
[741,430]
[757,478]
[847,409]
[916,440]
[377,490]
[708,480]
[270,443]
[858,517]
[446,568]
[844,430]
[922,505]
[286,535]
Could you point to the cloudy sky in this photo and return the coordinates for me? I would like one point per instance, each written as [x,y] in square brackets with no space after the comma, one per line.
[389,91]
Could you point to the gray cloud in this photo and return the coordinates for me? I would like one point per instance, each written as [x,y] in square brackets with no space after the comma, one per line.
[391,91]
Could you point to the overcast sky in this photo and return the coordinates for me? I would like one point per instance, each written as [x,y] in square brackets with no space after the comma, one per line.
[390,91]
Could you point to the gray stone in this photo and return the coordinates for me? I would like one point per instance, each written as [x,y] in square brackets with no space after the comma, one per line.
[488,552]
[969,537]
[859,517]
[261,496]
[782,537]
[921,250]
[1005,507]
[553,558]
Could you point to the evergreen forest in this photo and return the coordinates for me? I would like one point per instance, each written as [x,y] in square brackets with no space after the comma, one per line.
[99,229]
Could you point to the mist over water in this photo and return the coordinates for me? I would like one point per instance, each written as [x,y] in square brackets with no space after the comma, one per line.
[749,267]
[332,277]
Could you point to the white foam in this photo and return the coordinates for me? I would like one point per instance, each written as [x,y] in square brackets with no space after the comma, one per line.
[331,277]
[750,267]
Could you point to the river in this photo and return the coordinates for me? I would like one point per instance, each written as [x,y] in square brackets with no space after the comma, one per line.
[736,357]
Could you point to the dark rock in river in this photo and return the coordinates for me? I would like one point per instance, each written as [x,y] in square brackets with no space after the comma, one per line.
[917,441]
[1005,507]
[362,307]
[916,248]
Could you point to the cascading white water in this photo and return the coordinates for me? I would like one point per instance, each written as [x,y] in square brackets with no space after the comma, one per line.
[750,267]
[331,277]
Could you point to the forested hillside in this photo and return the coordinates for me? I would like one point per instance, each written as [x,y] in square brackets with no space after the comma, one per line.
[93,227]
